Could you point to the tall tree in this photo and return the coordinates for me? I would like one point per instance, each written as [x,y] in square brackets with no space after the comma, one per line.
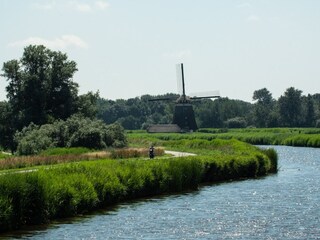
[263,107]
[290,108]
[40,86]
[310,117]
[6,126]
[62,90]
[40,89]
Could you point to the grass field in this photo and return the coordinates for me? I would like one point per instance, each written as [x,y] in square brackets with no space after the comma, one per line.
[303,137]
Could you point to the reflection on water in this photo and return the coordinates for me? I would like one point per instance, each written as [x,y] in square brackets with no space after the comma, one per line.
[281,206]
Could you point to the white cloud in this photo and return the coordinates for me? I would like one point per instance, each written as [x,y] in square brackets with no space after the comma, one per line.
[82,7]
[253,18]
[62,42]
[102,5]
[74,5]
[45,6]
[245,5]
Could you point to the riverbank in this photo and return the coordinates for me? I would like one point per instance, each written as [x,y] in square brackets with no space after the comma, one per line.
[297,137]
[75,188]
[281,206]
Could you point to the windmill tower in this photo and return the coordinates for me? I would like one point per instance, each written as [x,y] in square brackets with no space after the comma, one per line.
[183,116]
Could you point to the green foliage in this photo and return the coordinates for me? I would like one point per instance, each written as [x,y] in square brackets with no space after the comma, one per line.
[263,108]
[65,151]
[6,126]
[40,90]
[3,155]
[74,132]
[69,189]
[273,156]
[291,109]
[307,137]
[236,122]
[40,86]
[22,200]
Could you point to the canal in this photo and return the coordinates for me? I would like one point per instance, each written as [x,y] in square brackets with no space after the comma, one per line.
[281,206]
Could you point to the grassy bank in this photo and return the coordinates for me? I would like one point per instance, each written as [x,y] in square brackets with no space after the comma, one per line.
[74,188]
[303,137]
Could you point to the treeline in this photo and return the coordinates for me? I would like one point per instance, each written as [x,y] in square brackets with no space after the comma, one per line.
[292,109]
[41,91]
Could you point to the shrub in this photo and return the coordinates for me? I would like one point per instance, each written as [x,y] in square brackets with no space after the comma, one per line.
[237,122]
[74,132]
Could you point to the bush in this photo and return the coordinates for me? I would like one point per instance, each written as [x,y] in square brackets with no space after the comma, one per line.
[74,132]
[237,122]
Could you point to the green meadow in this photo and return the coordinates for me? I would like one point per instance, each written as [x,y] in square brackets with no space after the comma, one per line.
[64,189]
[302,137]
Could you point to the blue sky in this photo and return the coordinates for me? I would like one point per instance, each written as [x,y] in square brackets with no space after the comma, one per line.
[128,48]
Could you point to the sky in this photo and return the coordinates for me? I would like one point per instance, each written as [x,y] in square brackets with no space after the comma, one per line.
[128,48]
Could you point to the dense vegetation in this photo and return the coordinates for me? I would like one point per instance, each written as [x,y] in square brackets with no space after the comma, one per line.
[292,109]
[303,137]
[34,197]
[41,95]
[74,132]
[41,91]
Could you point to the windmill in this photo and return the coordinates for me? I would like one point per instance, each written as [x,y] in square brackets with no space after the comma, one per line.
[183,116]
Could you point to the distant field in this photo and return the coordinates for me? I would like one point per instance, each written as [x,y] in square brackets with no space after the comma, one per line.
[304,137]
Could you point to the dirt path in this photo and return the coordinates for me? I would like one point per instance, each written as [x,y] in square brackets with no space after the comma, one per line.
[179,154]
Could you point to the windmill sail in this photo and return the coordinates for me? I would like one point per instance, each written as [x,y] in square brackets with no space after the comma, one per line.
[179,78]
[209,94]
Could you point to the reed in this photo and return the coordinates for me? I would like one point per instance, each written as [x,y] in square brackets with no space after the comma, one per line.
[65,155]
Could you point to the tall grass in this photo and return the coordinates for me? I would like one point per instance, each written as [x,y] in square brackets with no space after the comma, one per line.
[74,188]
[65,151]
[3,155]
[67,155]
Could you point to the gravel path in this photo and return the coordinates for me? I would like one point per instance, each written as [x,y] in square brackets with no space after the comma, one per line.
[179,154]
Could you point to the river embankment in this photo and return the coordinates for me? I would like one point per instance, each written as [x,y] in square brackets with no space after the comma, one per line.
[296,137]
[69,189]
[281,206]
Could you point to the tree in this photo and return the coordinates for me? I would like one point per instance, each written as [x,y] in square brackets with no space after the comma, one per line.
[87,105]
[6,129]
[208,113]
[263,107]
[40,86]
[290,106]
[308,105]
